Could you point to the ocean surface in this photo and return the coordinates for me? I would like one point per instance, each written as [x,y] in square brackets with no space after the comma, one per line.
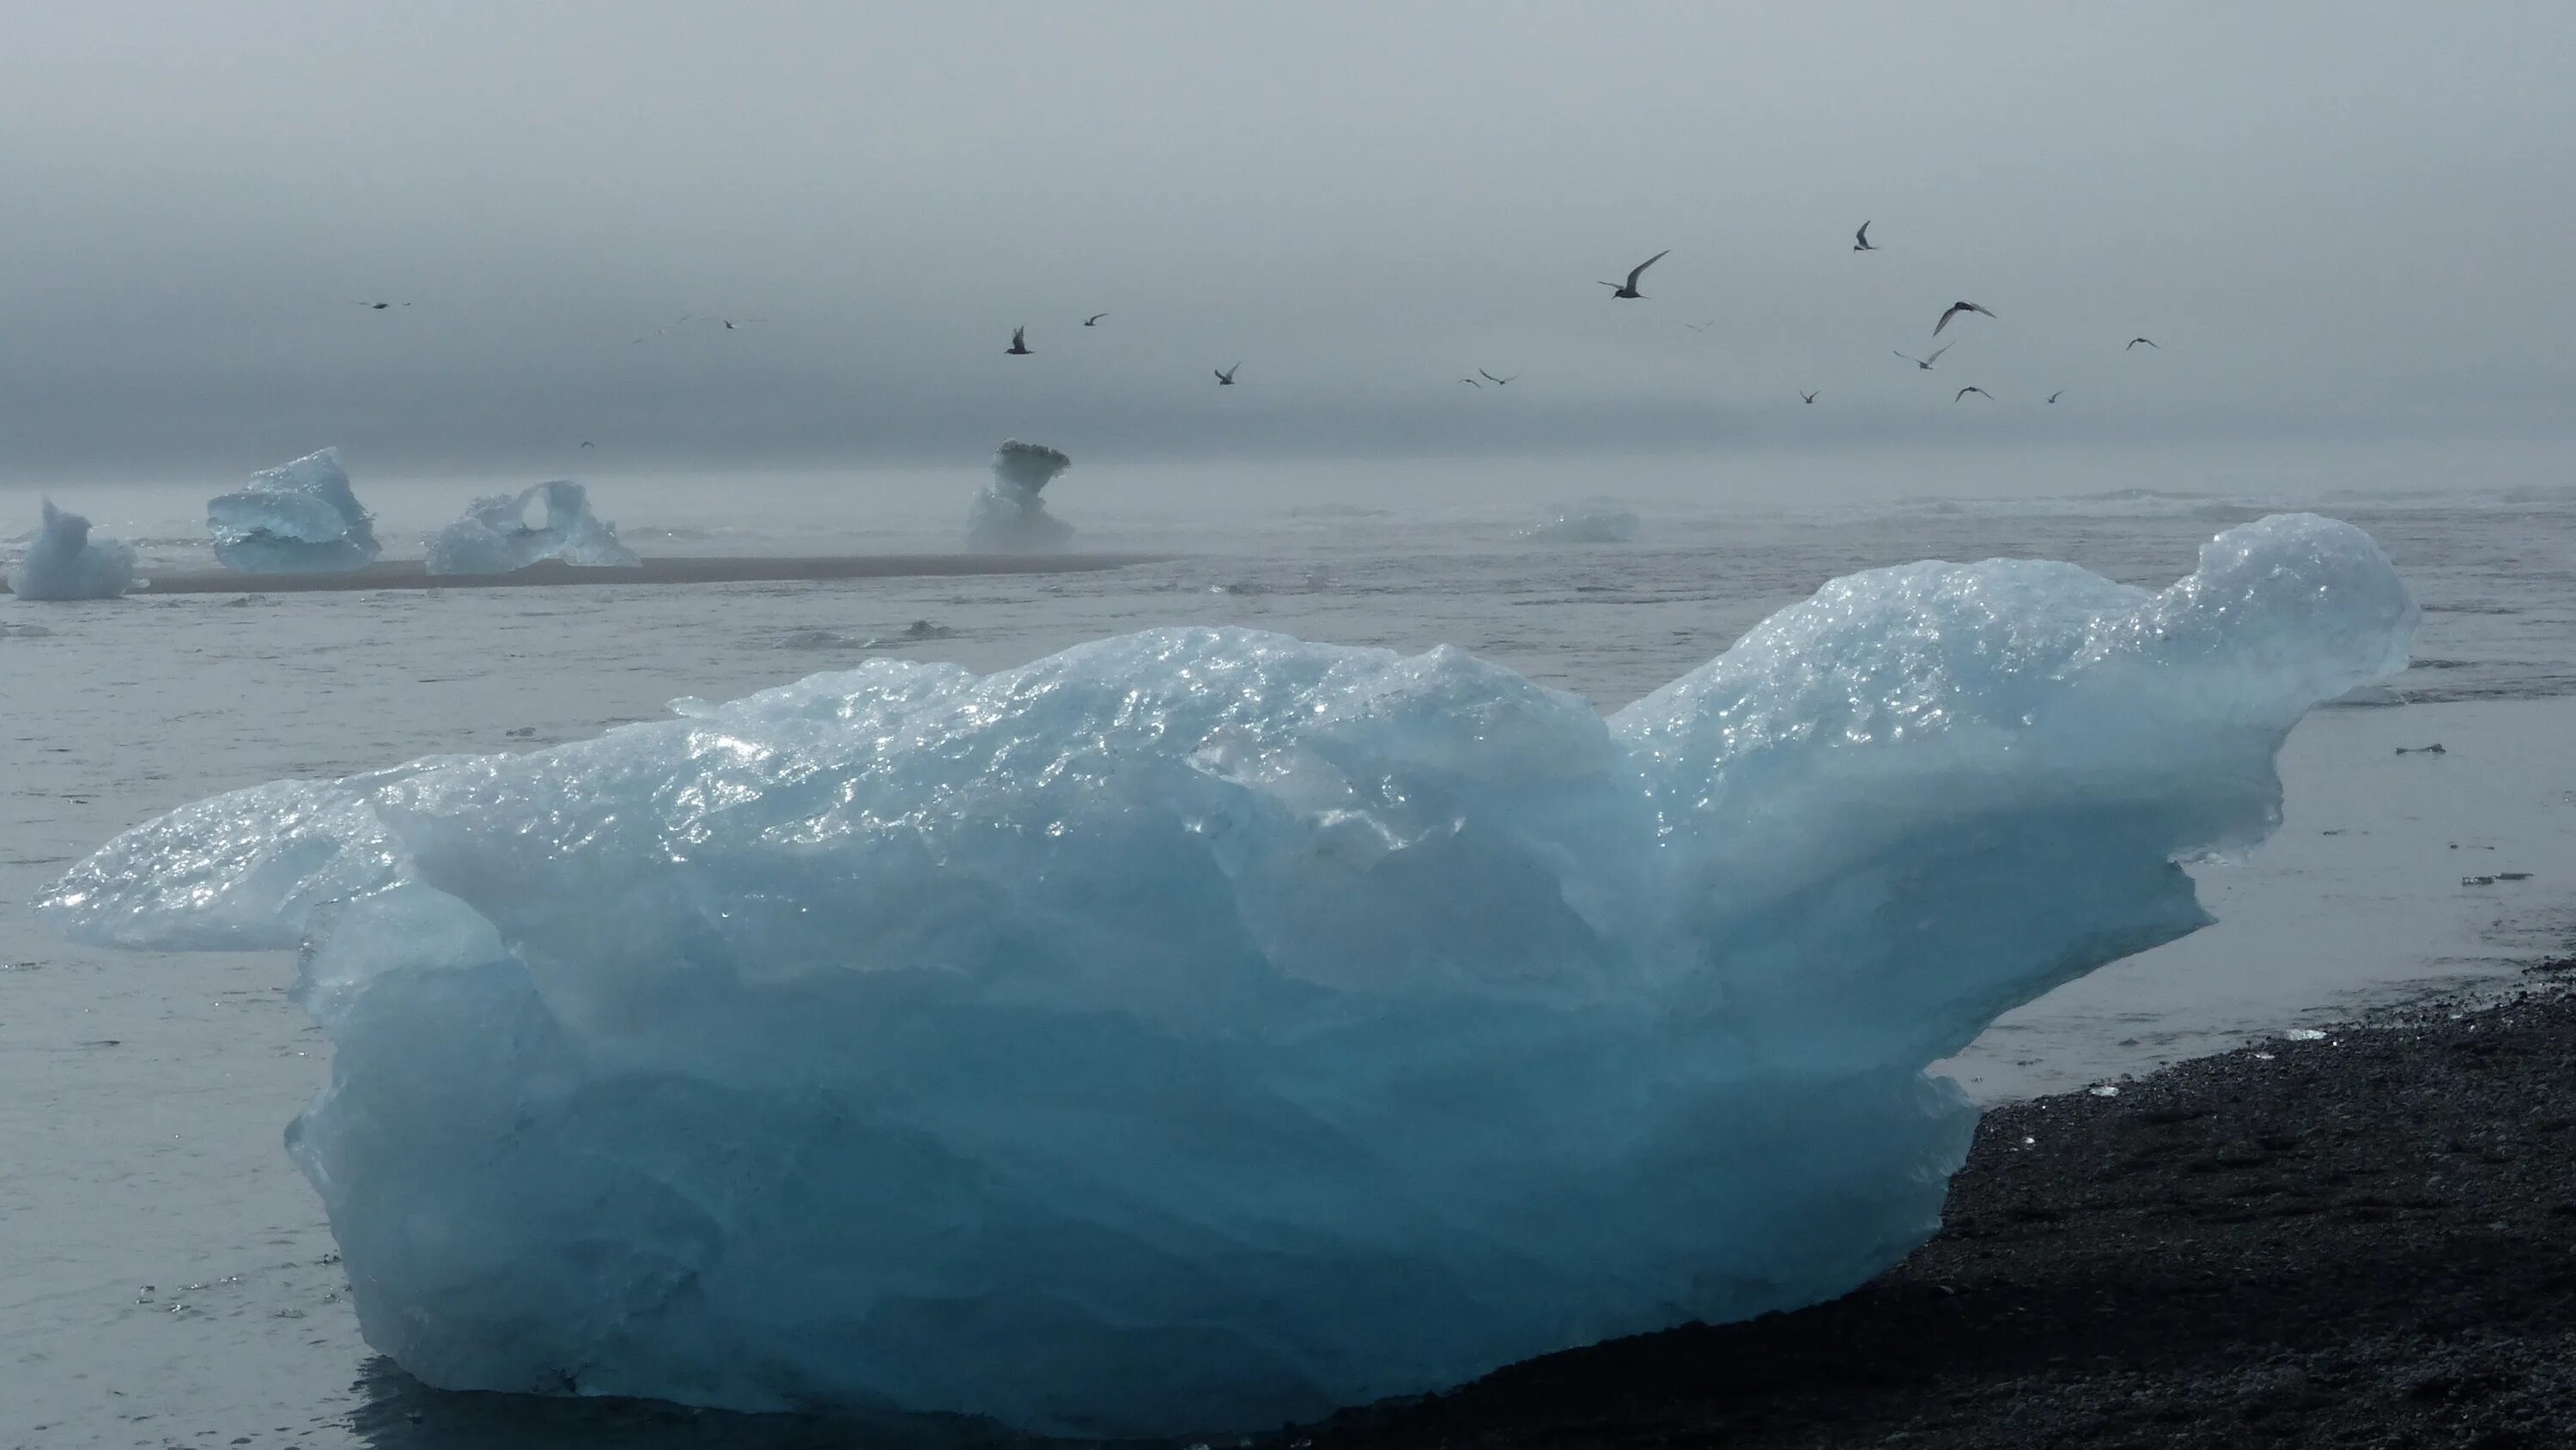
[165,1276]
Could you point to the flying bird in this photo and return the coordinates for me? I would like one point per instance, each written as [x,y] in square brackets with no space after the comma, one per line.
[1926,363]
[1811,397]
[2051,397]
[1497,382]
[1094,319]
[586,443]
[1980,392]
[1471,382]
[1702,327]
[1019,342]
[1860,239]
[657,332]
[2149,341]
[1225,376]
[375,306]
[1629,287]
[1955,309]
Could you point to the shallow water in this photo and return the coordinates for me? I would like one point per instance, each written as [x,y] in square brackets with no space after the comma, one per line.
[141,1097]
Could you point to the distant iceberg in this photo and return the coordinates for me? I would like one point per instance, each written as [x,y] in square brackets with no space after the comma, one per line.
[1593,521]
[1203,1029]
[1008,516]
[299,519]
[495,536]
[63,562]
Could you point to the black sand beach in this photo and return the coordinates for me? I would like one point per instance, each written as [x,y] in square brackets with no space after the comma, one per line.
[2365,1240]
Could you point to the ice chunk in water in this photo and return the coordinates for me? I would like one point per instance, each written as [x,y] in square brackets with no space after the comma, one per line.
[299,519]
[1202,1028]
[1593,521]
[63,562]
[495,536]
[1008,516]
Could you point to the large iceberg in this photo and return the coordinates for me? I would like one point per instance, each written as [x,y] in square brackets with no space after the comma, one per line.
[1201,1029]
[1007,515]
[298,519]
[63,562]
[495,536]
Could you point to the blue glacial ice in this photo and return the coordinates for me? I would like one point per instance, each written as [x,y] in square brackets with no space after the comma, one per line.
[63,562]
[495,536]
[1007,516]
[298,519]
[1203,1029]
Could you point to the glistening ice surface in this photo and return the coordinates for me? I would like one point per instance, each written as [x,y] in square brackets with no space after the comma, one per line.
[1200,1027]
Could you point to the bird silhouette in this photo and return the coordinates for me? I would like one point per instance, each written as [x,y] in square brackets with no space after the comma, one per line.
[2053,397]
[376,306]
[586,443]
[1225,376]
[1019,342]
[1094,319]
[1629,287]
[1980,392]
[1860,240]
[1497,382]
[1811,397]
[2149,341]
[1926,363]
[1955,309]
[1471,382]
[1703,327]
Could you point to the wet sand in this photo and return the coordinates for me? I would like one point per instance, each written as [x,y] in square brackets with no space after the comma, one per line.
[412,574]
[2363,1240]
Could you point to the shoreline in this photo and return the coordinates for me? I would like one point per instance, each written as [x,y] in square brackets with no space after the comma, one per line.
[743,569]
[2365,1239]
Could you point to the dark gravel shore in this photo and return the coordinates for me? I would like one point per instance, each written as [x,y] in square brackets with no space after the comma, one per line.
[2365,1240]
[2368,1239]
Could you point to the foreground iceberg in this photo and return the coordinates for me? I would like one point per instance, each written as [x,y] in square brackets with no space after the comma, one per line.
[63,562]
[1202,1028]
[1007,515]
[299,519]
[495,537]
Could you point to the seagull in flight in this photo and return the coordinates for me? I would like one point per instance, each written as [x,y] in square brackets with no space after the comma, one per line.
[2149,341]
[1225,376]
[1955,309]
[586,443]
[1497,382]
[1094,319]
[2051,397]
[375,306]
[1811,397]
[1019,342]
[1629,287]
[1926,363]
[1471,382]
[1861,241]
[1980,392]
[1702,327]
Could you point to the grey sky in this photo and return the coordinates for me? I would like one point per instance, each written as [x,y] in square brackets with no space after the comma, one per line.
[2337,218]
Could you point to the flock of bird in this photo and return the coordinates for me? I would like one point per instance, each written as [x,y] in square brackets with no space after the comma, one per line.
[1627,291]
[1619,291]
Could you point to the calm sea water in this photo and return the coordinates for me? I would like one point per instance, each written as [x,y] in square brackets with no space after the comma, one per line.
[163,1271]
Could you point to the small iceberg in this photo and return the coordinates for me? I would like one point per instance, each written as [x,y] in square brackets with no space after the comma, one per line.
[495,537]
[1593,521]
[64,562]
[299,519]
[1008,516]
